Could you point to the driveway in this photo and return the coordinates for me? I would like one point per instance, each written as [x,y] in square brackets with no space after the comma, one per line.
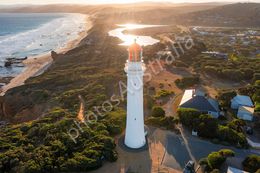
[167,153]
[185,147]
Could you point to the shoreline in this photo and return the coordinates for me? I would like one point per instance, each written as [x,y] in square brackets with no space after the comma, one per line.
[37,65]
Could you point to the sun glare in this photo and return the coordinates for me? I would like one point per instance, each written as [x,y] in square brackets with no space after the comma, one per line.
[129,39]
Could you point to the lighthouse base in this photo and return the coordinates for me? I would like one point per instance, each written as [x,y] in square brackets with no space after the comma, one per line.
[135,147]
[123,146]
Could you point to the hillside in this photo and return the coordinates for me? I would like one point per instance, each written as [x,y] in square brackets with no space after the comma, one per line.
[157,13]
[48,106]
[240,14]
[89,71]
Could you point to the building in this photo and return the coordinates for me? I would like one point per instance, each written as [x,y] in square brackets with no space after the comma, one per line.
[216,54]
[241,100]
[245,113]
[198,100]
[135,68]
[235,170]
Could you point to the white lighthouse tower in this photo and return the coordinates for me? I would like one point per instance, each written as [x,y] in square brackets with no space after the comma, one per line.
[134,67]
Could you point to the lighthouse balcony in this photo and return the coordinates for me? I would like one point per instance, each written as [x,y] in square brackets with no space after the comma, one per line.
[135,67]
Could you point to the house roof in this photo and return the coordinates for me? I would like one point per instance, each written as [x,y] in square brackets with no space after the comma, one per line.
[188,94]
[243,100]
[247,109]
[201,103]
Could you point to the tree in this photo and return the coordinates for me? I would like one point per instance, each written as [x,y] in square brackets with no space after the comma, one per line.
[225,133]
[256,77]
[207,124]
[216,159]
[232,74]
[225,98]
[187,116]
[257,83]
[251,163]
[158,112]
[227,153]
[237,125]
[187,82]
[211,70]
[32,167]
[248,73]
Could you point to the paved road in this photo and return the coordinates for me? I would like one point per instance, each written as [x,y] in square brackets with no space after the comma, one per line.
[179,150]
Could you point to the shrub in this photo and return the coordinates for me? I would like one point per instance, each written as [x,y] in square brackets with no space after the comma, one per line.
[248,73]
[225,97]
[227,153]
[251,163]
[203,161]
[163,93]
[225,133]
[215,160]
[158,112]
[163,122]
[207,124]
[248,90]
[256,77]
[187,82]
[187,116]
[257,107]
[211,70]
[232,74]
[237,125]
[257,83]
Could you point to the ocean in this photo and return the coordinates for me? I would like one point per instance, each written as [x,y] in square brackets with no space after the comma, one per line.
[26,35]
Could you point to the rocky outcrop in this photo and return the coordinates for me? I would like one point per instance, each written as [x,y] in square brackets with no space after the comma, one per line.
[10,61]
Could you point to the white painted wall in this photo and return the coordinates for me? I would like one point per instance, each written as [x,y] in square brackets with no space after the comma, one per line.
[135,135]
[234,104]
[245,116]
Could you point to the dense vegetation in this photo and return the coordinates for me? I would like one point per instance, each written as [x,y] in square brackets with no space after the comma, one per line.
[225,97]
[253,91]
[225,134]
[252,163]
[187,82]
[163,93]
[45,144]
[158,112]
[236,70]
[215,159]
[158,119]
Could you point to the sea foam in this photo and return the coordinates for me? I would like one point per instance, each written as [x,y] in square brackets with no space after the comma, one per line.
[52,35]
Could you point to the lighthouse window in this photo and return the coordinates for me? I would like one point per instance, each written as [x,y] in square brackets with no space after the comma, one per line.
[135,118]
[135,84]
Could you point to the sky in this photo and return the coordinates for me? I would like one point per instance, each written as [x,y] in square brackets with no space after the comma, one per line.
[16,2]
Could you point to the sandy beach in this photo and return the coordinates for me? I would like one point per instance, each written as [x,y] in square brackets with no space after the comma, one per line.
[37,65]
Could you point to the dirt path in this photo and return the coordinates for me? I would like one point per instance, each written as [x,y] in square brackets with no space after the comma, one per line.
[81,113]
[172,105]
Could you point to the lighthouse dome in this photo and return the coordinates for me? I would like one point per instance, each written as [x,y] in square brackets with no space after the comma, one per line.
[135,52]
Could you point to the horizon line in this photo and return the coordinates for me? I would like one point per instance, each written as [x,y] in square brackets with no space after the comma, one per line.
[128,3]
